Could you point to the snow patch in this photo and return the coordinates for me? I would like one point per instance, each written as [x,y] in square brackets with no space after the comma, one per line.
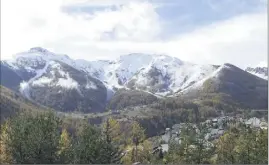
[67,82]
[24,86]
[110,92]
[25,89]
[91,85]
[200,83]
[42,81]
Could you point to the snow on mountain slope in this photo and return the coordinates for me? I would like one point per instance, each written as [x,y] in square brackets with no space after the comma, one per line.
[37,58]
[200,83]
[128,68]
[116,72]
[25,86]
[261,72]
[143,71]
[167,74]
[64,81]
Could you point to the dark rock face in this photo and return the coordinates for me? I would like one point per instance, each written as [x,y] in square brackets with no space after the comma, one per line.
[88,96]
[156,81]
[9,78]
[245,88]
[82,97]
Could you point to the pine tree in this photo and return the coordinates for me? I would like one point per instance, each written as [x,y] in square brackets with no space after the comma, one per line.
[34,139]
[187,143]
[93,148]
[262,147]
[203,150]
[135,150]
[252,147]
[87,146]
[226,148]
[111,132]
[137,136]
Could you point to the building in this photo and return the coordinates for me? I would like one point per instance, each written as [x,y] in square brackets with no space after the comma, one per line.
[167,135]
[253,122]
[214,134]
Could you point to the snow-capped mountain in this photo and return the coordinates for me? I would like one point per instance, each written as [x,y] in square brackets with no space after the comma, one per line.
[55,81]
[261,72]
[159,74]
[46,77]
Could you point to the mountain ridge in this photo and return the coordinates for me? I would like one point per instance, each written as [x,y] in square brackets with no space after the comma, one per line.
[157,74]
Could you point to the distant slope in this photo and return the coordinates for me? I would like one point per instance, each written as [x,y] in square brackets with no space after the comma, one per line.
[242,87]
[130,98]
[12,102]
[9,78]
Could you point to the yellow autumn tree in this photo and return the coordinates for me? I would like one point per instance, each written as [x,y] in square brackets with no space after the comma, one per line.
[5,156]
[144,153]
[111,129]
[65,146]
[136,141]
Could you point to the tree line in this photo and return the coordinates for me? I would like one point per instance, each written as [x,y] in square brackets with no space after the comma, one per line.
[45,139]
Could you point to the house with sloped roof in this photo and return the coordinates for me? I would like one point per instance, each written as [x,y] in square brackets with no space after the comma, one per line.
[253,122]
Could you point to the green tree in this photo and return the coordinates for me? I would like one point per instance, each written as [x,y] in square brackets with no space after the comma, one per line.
[92,148]
[34,139]
[175,153]
[112,137]
[225,148]
[137,137]
[111,131]
[262,147]
[203,150]
[252,147]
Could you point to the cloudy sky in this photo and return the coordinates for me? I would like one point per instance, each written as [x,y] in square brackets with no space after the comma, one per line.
[199,31]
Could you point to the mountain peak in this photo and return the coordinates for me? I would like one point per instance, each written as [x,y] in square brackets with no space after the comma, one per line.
[38,49]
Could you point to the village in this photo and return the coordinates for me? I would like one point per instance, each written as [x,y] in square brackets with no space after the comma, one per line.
[216,127]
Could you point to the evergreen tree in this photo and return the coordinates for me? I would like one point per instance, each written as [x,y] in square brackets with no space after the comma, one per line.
[203,150]
[225,148]
[92,148]
[111,132]
[139,150]
[34,140]
[262,147]
[137,136]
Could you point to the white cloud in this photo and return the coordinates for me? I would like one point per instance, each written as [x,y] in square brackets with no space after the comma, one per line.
[133,27]
[39,22]
[97,2]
